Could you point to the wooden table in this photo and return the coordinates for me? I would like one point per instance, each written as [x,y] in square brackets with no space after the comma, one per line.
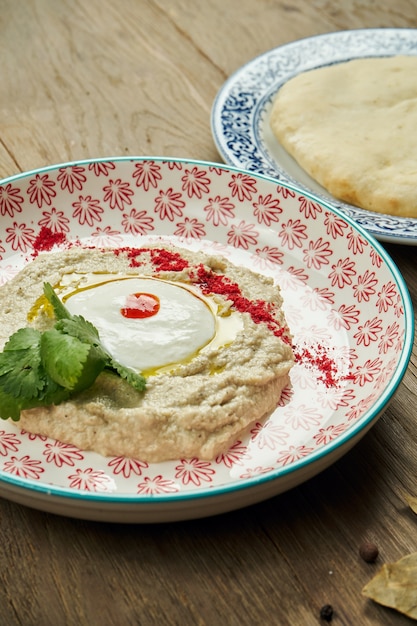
[138,77]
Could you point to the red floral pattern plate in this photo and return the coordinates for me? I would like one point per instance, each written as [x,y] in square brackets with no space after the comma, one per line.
[345,301]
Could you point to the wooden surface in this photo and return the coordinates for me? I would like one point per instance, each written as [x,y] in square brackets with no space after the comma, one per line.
[95,78]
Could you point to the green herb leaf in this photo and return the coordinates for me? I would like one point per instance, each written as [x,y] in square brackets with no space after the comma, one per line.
[60,310]
[80,328]
[20,365]
[10,407]
[44,368]
[135,380]
[63,357]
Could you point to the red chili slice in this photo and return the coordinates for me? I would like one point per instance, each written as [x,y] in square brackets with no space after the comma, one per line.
[140,305]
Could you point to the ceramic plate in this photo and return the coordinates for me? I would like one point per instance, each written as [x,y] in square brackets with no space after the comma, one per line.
[240,113]
[345,301]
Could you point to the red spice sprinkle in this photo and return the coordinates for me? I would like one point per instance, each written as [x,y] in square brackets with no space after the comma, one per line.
[259,310]
[162,260]
[209,283]
[166,261]
[46,240]
[321,361]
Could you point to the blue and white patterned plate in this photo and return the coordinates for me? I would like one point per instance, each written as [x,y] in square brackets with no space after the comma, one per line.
[240,113]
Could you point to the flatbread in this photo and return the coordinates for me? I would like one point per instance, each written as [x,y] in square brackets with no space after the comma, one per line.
[352,127]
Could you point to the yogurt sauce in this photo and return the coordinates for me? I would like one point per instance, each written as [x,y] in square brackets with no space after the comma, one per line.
[149,323]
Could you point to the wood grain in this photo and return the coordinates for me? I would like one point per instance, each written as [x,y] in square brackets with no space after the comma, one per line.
[99,78]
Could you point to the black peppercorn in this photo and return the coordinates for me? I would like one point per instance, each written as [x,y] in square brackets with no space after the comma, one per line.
[368,551]
[326,613]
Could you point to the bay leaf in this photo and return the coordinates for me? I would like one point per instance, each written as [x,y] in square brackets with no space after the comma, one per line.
[395,586]
[412,503]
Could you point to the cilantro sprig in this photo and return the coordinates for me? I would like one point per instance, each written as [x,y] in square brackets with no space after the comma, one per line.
[40,368]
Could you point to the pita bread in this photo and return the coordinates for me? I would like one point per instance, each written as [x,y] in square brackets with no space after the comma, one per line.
[353,128]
